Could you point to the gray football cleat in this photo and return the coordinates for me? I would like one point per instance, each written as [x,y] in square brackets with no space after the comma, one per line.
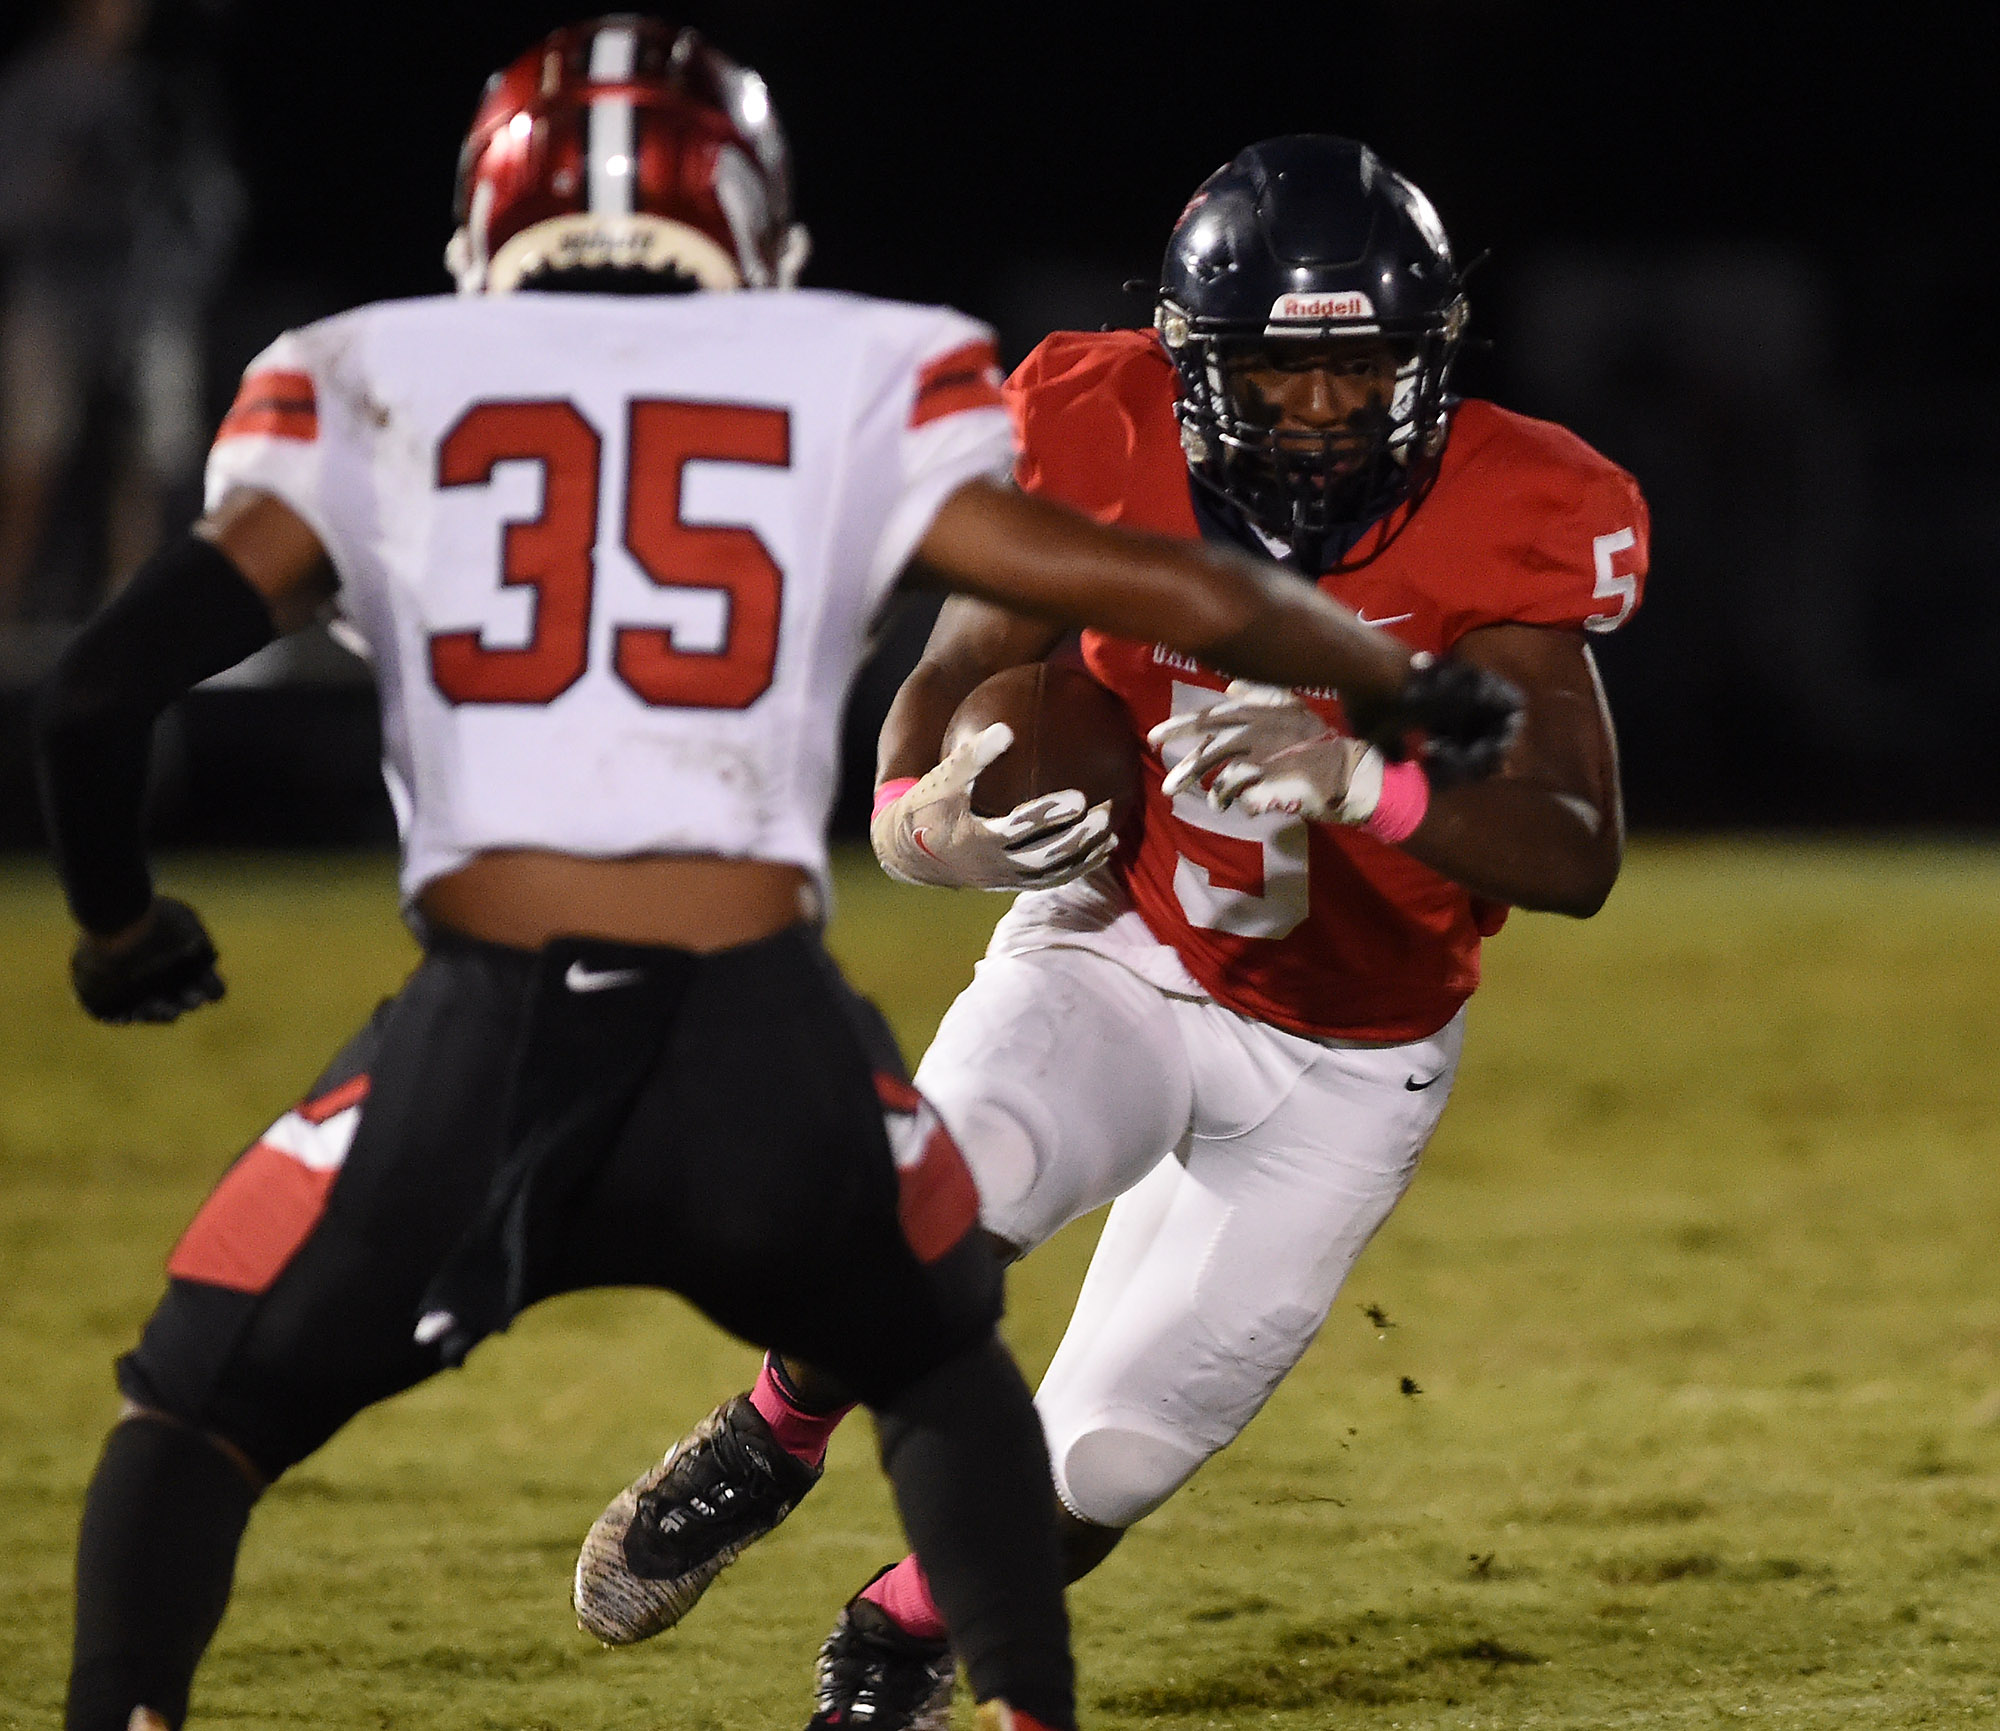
[669,1533]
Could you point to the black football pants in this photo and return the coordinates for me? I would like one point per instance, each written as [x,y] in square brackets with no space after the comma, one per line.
[712,1125]
[511,1126]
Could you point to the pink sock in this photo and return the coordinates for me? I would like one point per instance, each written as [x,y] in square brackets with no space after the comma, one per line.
[906,1596]
[800,1433]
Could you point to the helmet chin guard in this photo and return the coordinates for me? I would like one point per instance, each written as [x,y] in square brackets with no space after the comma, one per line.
[629,147]
[1310,238]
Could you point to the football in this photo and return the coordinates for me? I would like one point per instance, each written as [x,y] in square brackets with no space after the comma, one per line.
[1068,732]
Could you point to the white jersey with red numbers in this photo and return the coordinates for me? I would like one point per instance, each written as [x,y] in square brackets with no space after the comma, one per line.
[616,557]
[1319,929]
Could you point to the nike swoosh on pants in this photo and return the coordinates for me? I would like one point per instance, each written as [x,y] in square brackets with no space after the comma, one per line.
[582,979]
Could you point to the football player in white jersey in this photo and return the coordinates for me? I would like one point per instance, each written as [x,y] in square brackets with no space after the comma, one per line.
[615,552]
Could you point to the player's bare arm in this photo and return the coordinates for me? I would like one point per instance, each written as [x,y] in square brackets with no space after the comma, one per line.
[275,552]
[1233,611]
[1548,831]
[972,641]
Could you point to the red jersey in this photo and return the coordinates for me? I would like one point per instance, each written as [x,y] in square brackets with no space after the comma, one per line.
[1316,927]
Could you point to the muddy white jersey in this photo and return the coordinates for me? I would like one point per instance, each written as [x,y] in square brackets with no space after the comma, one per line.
[615,558]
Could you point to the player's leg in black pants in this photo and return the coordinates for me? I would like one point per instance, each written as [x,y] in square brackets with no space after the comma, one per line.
[289,1310]
[156,1555]
[964,1452]
[772,1201]
[757,1177]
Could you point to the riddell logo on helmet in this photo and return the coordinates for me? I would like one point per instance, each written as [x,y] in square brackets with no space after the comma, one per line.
[1349,304]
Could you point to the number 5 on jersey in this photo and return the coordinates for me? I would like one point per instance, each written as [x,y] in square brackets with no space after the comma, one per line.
[1251,879]
[554,554]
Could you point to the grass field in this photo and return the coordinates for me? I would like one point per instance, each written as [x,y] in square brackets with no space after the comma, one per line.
[1700,1289]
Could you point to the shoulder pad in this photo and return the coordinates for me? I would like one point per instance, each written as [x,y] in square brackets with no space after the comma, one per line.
[1558,529]
[1093,415]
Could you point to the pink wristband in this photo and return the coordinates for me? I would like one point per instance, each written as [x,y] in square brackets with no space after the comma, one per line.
[1406,796]
[890,791]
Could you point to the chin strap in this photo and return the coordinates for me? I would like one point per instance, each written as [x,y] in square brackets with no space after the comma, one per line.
[465,253]
[793,252]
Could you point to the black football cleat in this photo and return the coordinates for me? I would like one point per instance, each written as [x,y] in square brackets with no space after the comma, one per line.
[670,1532]
[874,1677]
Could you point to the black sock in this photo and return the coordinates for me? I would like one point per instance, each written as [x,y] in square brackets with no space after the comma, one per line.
[964,1451]
[161,1524]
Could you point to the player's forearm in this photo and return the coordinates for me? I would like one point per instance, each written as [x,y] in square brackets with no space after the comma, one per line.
[1236,613]
[1295,636]
[1549,832]
[186,614]
[913,731]
[1515,842]
[91,765]
[969,644]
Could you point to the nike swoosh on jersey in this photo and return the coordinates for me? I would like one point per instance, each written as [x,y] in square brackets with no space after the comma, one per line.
[582,979]
[1416,1087]
[1392,619]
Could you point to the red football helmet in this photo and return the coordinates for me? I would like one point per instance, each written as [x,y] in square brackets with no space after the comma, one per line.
[625,144]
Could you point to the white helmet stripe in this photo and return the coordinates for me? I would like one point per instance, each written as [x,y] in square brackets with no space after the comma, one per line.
[613,53]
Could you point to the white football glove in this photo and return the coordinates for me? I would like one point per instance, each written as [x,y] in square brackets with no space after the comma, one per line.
[1269,752]
[931,835]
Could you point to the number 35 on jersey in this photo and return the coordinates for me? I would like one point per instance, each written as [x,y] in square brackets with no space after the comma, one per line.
[553,554]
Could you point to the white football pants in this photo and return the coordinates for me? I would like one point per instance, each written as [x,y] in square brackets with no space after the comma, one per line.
[1068,1080]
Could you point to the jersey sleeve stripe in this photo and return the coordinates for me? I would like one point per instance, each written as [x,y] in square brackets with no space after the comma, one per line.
[279,405]
[966,378]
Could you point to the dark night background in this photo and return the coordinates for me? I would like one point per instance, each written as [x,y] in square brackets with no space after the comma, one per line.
[1748,254]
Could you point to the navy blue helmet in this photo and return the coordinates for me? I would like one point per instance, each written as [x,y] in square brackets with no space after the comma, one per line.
[1304,240]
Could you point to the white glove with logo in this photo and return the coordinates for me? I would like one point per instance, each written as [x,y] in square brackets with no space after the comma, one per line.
[1269,752]
[929,834]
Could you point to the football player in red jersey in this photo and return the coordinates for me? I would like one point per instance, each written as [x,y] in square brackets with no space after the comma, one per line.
[1245,1025]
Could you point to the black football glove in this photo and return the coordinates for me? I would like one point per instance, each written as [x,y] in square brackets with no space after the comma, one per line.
[1469,718]
[168,972]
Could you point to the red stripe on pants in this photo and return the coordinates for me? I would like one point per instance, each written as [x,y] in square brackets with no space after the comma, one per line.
[938,1201]
[253,1224]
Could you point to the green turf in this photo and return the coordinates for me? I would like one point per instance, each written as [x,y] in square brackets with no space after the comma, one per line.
[1699,1289]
